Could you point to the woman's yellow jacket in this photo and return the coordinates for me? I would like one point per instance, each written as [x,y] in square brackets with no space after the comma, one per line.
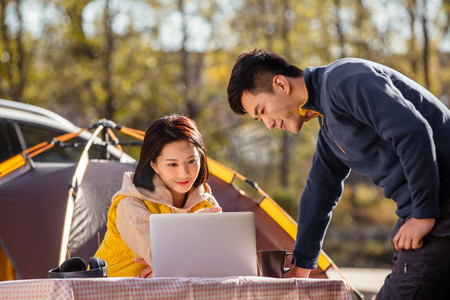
[117,254]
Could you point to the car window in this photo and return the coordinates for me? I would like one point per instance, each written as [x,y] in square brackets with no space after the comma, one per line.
[9,141]
[34,135]
[71,152]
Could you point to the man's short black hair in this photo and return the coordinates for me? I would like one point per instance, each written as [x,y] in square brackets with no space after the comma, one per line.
[253,72]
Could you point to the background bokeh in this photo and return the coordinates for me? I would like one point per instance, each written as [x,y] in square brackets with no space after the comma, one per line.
[132,61]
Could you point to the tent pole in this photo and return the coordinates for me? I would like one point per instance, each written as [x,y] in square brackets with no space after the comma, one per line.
[76,181]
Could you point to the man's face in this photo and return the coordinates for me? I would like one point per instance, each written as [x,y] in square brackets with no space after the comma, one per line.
[276,110]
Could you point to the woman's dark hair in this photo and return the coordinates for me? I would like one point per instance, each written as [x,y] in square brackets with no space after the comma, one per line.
[161,132]
[253,72]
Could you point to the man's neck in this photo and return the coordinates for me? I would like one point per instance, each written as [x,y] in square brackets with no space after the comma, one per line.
[298,89]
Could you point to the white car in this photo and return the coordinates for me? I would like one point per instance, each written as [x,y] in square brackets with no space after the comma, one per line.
[52,205]
[25,125]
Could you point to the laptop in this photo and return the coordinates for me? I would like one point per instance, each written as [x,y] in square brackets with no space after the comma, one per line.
[203,244]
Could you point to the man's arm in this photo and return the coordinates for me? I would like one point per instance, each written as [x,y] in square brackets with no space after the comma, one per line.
[323,190]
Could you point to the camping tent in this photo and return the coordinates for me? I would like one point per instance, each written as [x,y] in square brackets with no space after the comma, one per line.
[39,202]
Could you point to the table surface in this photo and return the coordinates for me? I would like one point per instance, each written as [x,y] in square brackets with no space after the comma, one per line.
[176,288]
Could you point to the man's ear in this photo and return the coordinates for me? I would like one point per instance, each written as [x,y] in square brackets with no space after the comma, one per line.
[281,83]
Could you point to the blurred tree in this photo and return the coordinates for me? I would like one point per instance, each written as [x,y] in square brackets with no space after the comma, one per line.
[14,56]
[339,28]
[426,44]
[410,6]
[191,61]
[80,45]
[107,58]
[135,60]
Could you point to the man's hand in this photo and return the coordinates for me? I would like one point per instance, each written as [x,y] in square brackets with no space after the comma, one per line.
[410,235]
[297,272]
[147,272]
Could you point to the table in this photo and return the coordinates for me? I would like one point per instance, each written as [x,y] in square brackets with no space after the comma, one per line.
[176,288]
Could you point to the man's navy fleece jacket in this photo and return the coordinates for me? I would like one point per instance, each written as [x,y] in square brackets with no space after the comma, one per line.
[381,124]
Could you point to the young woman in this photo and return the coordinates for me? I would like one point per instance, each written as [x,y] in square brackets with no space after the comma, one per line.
[170,177]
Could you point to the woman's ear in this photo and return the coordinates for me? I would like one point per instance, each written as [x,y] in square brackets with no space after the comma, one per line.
[154,167]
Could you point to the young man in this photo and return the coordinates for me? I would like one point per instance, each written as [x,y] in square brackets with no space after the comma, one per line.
[379,123]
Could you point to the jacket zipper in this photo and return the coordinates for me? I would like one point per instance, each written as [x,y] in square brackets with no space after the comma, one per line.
[319,114]
[339,146]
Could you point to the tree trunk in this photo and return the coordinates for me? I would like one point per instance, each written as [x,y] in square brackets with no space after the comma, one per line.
[14,51]
[109,48]
[19,86]
[7,52]
[426,46]
[340,32]
[80,45]
[411,7]
[185,90]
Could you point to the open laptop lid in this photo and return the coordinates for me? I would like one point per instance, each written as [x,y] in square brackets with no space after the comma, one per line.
[203,244]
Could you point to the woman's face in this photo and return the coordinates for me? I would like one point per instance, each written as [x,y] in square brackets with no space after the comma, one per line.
[178,166]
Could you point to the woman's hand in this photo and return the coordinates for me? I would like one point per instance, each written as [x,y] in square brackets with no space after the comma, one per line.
[147,272]
[215,209]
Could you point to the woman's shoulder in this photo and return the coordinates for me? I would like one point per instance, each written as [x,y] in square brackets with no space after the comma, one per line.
[130,203]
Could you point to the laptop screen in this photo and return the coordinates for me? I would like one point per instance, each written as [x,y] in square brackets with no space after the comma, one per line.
[203,244]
